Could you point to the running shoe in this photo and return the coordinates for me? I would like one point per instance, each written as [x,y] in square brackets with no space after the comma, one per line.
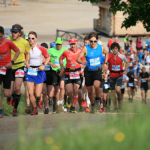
[46,111]
[1,114]
[28,110]
[81,109]
[40,104]
[72,110]
[35,111]
[65,109]
[9,100]
[87,110]
[115,109]
[92,110]
[101,108]
[58,109]
[15,112]
[97,104]
[68,103]
[83,103]
[131,100]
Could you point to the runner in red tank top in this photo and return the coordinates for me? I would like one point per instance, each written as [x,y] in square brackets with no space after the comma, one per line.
[72,73]
[6,65]
[115,61]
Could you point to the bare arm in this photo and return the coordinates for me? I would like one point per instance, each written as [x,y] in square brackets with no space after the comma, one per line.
[83,52]
[47,60]
[16,55]
[106,54]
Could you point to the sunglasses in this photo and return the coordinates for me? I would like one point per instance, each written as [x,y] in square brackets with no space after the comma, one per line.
[31,38]
[15,32]
[91,41]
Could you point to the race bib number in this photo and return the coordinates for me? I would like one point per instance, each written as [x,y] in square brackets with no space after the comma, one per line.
[116,67]
[57,62]
[131,84]
[19,73]
[74,75]
[94,62]
[106,86]
[143,80]
[2,70]
[47,67]
[32,71]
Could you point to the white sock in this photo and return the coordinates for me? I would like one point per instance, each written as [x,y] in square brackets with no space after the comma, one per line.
[58,103]
[87,99]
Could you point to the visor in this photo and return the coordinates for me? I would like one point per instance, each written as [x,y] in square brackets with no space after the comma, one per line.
[73,41]
[15,29]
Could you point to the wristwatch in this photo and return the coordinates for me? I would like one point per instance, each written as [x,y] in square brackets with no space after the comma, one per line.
[12,62]
[106,63]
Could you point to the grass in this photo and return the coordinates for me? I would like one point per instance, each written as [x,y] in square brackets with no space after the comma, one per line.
[8,109]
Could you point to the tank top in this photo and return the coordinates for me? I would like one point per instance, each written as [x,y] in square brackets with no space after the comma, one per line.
[93,57]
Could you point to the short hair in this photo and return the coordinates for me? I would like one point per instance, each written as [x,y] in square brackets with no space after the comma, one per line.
[93,34]
[1,30]
[86,38]
[34,33]
[19,27]
[113,45]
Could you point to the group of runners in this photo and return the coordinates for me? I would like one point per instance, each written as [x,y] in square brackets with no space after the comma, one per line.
[59,77]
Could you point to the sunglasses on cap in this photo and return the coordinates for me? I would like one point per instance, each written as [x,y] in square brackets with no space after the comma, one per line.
[91,41]
[31,38]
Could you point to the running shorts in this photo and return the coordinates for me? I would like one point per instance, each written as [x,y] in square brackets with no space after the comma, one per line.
[6,79]
[115,81]
[76,81]
[40,78]
[122,91]
[102,84]
[144,87]
[17,73]
[131,85]
[91,76]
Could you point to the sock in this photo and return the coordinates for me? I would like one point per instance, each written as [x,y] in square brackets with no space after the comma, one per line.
[58,103]
[74,100]
[28,105]
[17,100]
[87,99]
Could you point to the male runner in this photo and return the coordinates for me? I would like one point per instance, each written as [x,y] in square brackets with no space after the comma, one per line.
[6,65]
[72,72]
[55,80]
[115,61]
[18,66]
[93,69]
[144,77]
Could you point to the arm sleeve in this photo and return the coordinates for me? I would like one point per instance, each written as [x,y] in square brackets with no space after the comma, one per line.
[44,52]
[13,46]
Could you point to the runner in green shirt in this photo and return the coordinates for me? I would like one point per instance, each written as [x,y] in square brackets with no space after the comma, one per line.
[57,81]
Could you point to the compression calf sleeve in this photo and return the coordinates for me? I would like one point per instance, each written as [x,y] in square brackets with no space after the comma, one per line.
[17,100]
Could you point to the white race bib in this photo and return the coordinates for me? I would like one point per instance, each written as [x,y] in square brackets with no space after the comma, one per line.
[57,62]
[94,62]
[74,75]
[32,71]
[143,80]
[2,70]
[19,73]
[116,67]
[106,86]
[47,67]
[130,84]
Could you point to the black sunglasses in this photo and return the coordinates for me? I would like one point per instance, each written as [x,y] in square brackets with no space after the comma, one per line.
[91,41]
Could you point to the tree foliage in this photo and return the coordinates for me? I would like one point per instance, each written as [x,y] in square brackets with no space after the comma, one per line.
[134,10]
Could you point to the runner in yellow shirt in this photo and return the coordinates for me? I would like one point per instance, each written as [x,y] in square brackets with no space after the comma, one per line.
[18,65]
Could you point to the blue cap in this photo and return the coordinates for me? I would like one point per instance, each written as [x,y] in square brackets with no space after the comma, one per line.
[52,45]
[128,50]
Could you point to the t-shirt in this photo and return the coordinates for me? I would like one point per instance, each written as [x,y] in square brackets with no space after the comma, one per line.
[125,39]
[139,55]
[143,76]
[5,51]
[125,78]
[71,59]
[147,41]
[23,46]
[55,55]
[131,79]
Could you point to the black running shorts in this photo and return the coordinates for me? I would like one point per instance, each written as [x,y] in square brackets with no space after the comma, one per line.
[115,81]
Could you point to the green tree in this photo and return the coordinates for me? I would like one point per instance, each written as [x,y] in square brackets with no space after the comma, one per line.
[135,10]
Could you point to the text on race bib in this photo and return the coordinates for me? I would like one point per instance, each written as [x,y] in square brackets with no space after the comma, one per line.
[74,75]
[47,67]
[106,86]
[130,84]
[2,70]
[116,67]
[19,73]
[94,62]
[143,80]
[32,71]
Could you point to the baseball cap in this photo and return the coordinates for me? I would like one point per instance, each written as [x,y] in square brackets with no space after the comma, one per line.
[26,36]
[52,45]
[73,41]
[44,45]
[128,50]
[59,40]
